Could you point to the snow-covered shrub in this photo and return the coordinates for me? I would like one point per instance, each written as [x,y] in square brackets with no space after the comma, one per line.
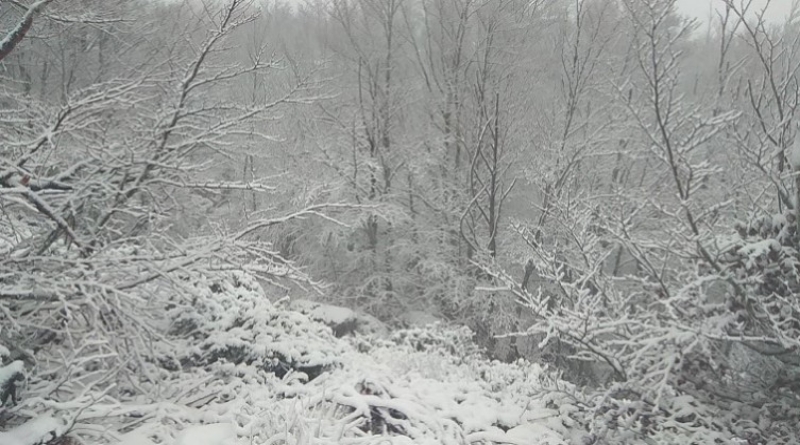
[228,318]
[672,346]
[765,261]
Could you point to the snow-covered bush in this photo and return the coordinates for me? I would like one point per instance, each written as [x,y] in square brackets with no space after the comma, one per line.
[228,318]
[673,347]
[765,262]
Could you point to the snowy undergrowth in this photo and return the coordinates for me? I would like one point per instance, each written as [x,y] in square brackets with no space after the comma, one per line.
[277,377]
[236,369]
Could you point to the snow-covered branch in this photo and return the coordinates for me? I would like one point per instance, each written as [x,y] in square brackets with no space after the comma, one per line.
[15,35]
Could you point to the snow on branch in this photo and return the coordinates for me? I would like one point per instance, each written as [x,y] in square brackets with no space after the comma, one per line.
[12,39]
[313,210]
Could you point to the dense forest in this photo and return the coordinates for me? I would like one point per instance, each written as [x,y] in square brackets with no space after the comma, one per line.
[403,222]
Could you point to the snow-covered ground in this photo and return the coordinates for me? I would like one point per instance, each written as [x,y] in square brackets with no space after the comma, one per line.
[236,369]
[241,381]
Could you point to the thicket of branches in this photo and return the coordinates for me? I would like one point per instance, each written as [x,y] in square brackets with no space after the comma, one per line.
[120,125]
[611,184]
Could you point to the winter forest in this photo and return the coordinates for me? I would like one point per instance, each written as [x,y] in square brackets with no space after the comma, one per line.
[457,222]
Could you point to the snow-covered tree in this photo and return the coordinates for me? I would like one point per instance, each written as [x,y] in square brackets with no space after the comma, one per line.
[110,191]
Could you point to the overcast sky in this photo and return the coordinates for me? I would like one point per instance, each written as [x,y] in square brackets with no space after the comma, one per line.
[777,12]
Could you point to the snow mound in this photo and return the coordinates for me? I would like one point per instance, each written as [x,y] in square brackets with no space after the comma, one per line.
[214,434]
[34,432]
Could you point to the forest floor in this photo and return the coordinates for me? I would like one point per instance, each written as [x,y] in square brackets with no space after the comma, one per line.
[425,385]
[236,369]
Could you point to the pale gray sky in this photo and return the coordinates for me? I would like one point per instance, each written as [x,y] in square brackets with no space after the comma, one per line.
[777,12]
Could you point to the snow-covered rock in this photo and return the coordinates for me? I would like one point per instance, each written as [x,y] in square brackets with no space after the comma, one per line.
[341,320]
[369,325]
